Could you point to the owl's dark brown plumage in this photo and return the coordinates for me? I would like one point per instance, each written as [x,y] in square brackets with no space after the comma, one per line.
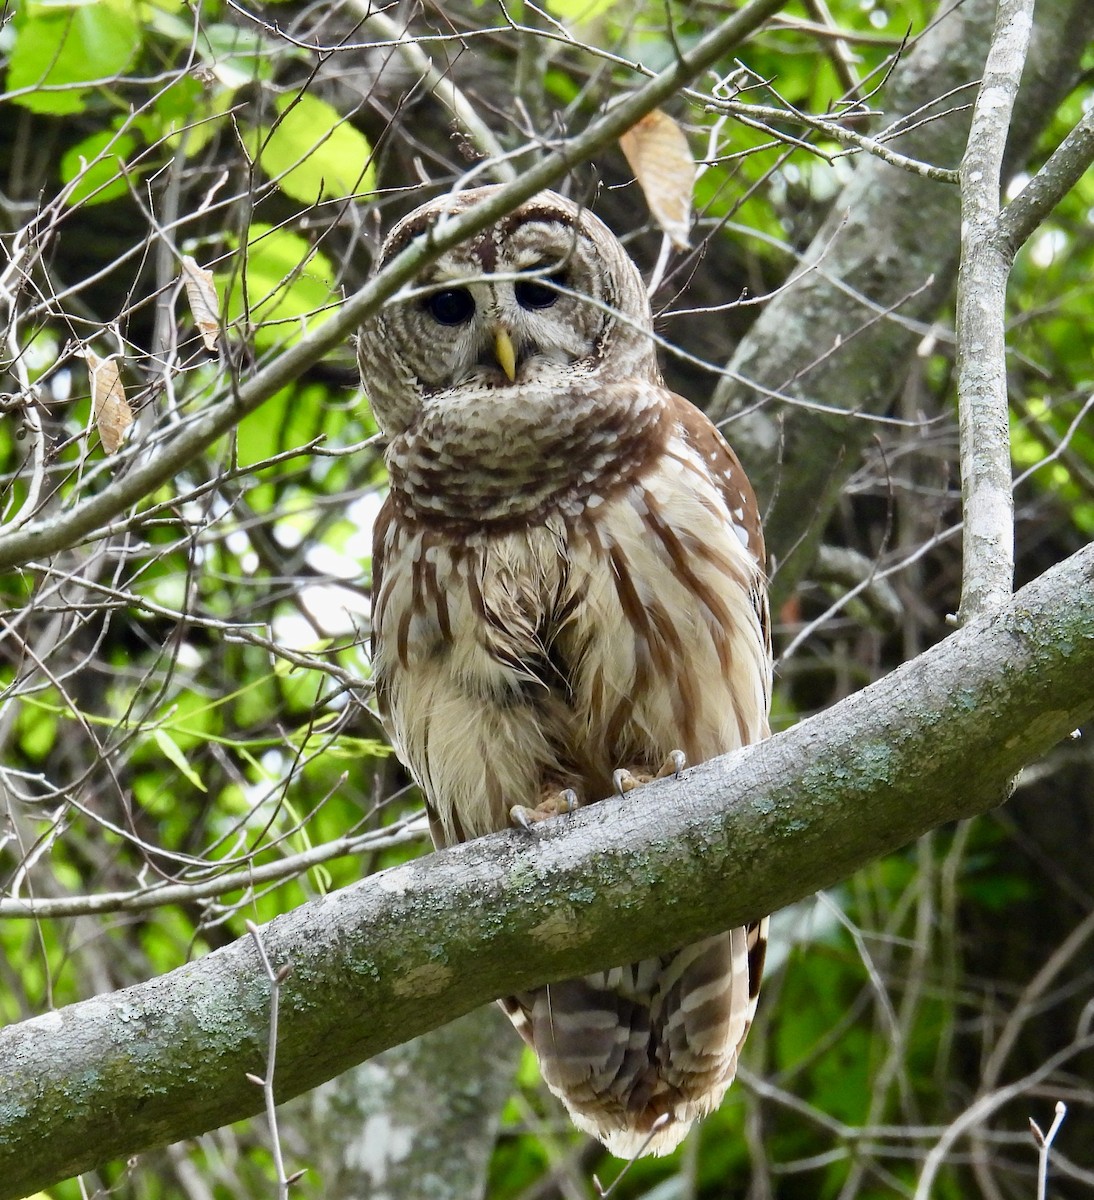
[567,580]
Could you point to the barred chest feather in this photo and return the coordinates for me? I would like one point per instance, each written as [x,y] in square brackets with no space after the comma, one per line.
[479,455]
[513,661]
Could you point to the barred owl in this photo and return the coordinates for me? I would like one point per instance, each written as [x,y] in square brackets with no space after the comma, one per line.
[568,594]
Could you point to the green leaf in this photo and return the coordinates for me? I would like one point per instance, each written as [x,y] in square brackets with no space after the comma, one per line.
[288,286]
[579,10]
[313,151]
[174,754]
[100,178]
[238,56]
[37,732]
[69,43]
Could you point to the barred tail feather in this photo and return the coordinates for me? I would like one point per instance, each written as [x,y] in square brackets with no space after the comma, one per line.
[658,1038]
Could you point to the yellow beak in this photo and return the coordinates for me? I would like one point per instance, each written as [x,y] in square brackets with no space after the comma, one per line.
[504,353]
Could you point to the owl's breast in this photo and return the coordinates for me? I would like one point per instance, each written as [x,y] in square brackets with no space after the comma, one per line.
[466,668]
[482,457]
[510,661]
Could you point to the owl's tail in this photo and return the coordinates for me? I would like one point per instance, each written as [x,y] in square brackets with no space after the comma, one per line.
[656,1040]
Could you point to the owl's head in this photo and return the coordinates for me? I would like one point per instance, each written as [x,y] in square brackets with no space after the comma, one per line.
[544,295]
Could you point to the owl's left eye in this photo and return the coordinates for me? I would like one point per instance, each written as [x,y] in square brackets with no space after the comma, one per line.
[453,306]
[530,293]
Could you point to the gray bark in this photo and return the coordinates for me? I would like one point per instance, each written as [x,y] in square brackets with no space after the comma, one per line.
[416,946]
[987,567]
[419,1119]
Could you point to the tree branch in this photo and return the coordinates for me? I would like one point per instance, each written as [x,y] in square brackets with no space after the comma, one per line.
[415,946]
[986,497]
[1066,165]
[50,535]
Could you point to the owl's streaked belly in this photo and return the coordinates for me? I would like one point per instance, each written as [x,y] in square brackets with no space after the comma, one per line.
[510,665]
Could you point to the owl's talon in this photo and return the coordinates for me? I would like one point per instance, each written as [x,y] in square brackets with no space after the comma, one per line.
[673,765]
[523,817]
[623,781]
[560,804]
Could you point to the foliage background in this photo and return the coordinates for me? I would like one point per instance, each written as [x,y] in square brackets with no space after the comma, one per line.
[185,701]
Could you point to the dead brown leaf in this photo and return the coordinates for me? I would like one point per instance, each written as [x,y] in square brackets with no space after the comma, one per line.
[660,157]
[201,294]
[109,408]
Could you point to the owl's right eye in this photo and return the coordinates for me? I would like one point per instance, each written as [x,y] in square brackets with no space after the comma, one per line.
[453,306]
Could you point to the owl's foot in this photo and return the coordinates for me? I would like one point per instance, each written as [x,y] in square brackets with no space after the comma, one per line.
[626,782]
[555,805]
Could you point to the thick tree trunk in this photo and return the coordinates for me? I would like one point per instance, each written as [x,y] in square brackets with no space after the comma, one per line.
[419,1119]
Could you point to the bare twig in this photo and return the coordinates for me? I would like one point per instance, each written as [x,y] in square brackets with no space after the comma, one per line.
[158,895]
[655,1129]
[985,1106]
[266,1082]
[758,115]
[1044,1146]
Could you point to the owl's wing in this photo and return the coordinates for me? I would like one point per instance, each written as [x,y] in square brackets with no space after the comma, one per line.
[704,437]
